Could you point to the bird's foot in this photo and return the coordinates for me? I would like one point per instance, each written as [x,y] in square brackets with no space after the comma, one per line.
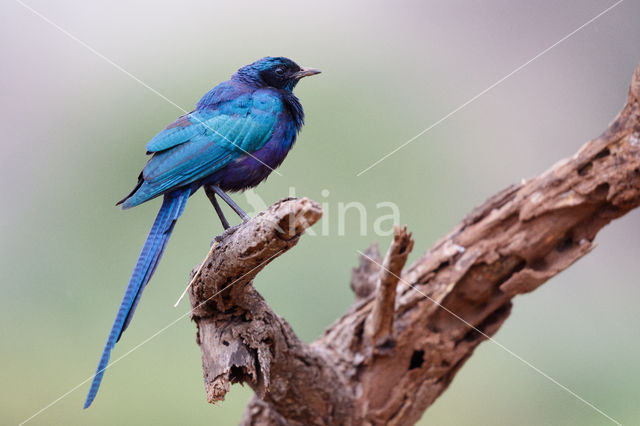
[228,231]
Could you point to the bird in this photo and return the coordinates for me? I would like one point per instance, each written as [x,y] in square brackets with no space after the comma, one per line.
[238,133]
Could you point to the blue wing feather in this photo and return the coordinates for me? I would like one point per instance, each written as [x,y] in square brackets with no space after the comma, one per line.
[185,153]
[181,130]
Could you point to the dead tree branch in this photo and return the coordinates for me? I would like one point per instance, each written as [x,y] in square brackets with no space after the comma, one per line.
[408,333]
[379,326]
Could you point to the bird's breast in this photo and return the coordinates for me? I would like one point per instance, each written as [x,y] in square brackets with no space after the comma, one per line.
[249,169]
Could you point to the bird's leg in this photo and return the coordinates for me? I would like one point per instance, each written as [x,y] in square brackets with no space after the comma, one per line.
[245,217]
[212,197]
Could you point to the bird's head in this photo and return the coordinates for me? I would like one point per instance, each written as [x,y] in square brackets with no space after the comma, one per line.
[279,73]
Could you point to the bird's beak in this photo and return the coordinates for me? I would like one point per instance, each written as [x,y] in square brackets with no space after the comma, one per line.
[305,72]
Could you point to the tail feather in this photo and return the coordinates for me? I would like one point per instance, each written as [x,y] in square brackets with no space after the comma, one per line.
[163,239]
[172,207]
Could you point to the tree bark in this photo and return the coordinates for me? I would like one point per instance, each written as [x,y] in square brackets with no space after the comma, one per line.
[408,333]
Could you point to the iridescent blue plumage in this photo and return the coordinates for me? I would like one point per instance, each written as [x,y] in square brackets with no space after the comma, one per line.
[239,132]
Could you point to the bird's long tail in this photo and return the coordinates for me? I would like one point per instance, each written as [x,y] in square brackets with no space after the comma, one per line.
[172,208]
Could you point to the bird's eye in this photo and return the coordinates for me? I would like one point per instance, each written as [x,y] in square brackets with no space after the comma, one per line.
[279,71]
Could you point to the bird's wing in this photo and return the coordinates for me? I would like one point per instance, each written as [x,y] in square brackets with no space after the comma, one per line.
[213,139]
[181,130]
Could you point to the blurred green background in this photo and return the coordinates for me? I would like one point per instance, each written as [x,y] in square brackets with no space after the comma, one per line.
[73,135]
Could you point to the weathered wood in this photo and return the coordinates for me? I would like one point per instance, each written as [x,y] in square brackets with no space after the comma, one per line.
[379,326]
[451,299]
[243,340]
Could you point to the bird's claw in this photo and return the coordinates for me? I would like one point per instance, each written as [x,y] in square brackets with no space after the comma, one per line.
[228,231]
